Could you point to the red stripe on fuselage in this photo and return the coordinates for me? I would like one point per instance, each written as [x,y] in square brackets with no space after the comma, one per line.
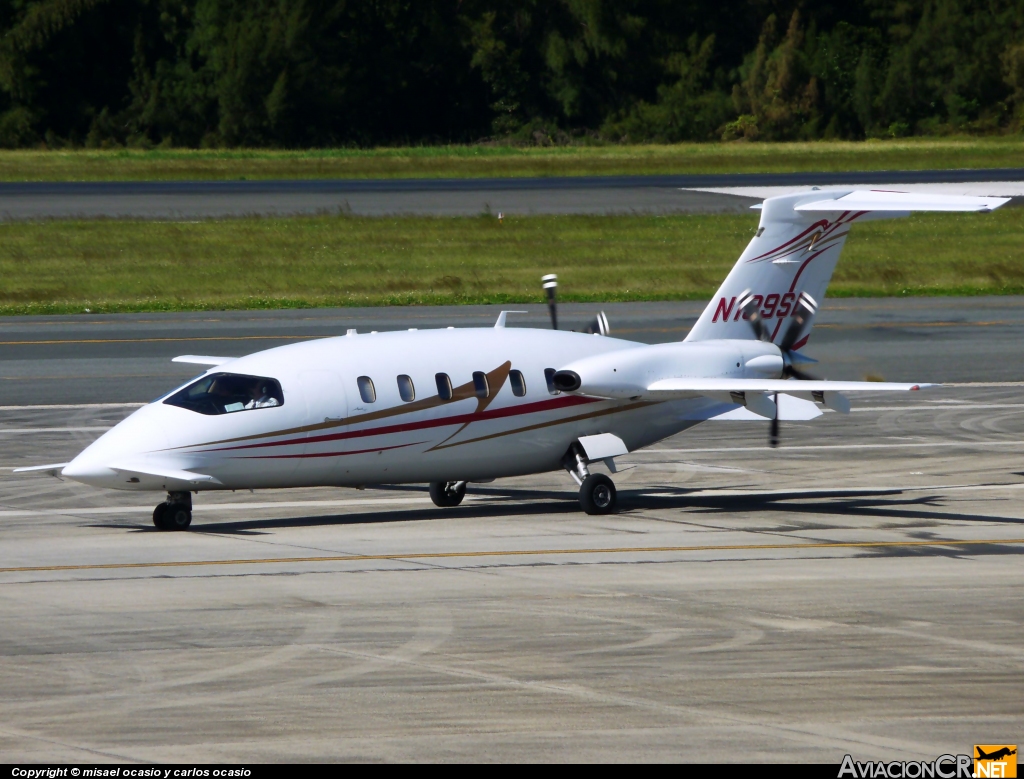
[327,454]
[498,413]
[823,223]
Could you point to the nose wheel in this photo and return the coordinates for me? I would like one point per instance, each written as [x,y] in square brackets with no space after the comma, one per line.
[175,513]
[597,494]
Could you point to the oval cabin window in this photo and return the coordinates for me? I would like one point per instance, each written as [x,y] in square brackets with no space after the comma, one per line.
[444,386]
[480,386]
[406,388]
[549,377]
[518,383]
[366,390]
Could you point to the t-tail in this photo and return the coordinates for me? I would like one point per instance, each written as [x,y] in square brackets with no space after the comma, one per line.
[793,254]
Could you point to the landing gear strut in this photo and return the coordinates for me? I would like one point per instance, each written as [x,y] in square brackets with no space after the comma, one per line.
[175,513]
[446,494]
[597,491]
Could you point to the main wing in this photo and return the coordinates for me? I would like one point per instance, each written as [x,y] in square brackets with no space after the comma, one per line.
[668,388]
[760,396]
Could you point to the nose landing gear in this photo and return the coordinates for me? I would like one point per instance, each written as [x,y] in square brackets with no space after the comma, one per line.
[175,513]
[597,491]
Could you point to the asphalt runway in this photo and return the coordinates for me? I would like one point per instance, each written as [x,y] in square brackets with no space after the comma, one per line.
[435,197]
[855,591]
[126,358]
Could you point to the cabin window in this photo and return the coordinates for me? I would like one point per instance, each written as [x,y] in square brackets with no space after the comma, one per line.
[226,393]
[406,388]
[515,378]
[549,377]
[366,389]
[480,387]
[444,386]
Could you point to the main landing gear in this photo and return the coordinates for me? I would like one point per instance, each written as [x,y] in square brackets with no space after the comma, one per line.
[446,494]
[597,491]
[175,513]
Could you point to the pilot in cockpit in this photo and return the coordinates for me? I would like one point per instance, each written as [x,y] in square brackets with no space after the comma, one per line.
[262,395]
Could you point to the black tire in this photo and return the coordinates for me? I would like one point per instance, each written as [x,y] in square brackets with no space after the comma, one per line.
[178,516]
[160,521]
[444,494]
[597,494]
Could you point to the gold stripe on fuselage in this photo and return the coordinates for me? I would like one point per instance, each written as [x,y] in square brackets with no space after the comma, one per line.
[496,377]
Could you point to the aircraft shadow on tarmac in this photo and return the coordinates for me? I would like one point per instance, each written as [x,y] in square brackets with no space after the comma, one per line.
[882,503]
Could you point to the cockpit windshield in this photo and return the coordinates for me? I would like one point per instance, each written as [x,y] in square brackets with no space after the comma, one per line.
[225,393]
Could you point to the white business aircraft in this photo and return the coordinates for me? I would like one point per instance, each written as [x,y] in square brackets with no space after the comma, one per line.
[449,407]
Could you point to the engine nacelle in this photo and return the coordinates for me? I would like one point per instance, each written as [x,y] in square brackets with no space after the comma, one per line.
[628,373]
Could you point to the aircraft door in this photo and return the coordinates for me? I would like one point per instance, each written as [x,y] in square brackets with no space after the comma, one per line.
[326,409]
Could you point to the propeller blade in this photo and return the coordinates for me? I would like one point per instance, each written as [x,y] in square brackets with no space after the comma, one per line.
[600,325]
[806,308]
[752,313]
[790,361]
[791,372]
[773,432]
[551,286]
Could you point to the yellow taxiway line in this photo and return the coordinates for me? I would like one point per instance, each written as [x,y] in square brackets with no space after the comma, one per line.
[516,553]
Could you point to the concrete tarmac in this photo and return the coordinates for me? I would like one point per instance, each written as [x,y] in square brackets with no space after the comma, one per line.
[855,591]
[667,194]
[126,358]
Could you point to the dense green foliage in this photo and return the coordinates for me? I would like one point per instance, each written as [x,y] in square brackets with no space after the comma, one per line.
[299,73]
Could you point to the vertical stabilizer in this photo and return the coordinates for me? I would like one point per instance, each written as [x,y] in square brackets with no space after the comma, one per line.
[795,250]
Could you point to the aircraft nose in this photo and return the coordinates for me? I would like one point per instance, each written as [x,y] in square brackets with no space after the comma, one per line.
[140,433]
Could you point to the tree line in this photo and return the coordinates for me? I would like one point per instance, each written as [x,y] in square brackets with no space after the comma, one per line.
[317,73]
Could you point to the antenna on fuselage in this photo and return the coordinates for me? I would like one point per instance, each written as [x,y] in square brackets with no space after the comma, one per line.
[551,287]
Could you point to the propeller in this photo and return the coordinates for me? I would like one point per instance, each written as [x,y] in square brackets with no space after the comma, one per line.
[598,326]
[551,287]
[773,430]
[800,319]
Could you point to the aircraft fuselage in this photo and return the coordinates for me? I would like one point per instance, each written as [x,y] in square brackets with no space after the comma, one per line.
[325,432]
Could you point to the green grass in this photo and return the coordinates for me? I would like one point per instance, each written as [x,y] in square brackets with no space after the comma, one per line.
[486,160]
[70,266]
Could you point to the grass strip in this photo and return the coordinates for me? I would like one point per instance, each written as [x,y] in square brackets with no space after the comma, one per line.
[492,160]
[108,265]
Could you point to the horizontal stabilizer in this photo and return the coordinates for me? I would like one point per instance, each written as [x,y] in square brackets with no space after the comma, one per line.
[669,387]
[881,200]
[53,469]
[202,359]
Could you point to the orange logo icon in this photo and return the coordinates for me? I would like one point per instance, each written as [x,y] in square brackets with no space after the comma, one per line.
[995,761]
